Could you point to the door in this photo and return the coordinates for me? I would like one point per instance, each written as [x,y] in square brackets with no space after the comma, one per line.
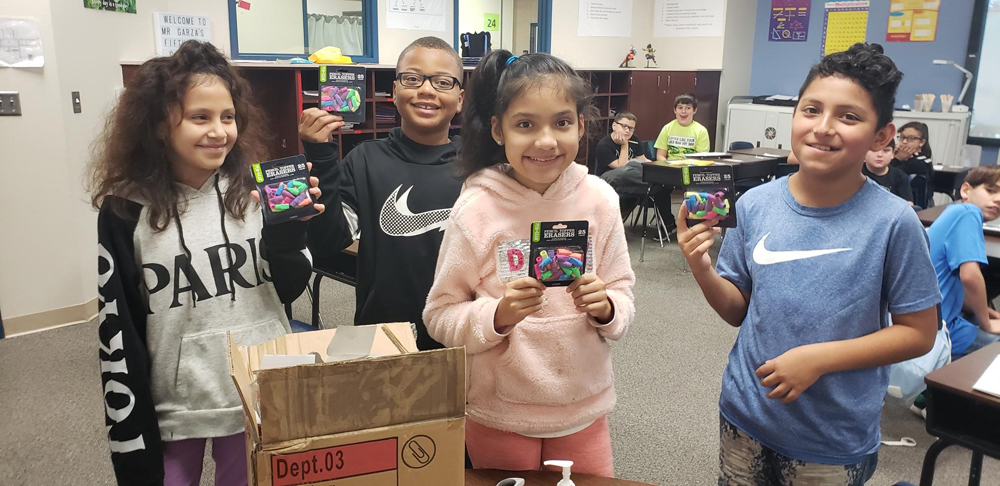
[646,101]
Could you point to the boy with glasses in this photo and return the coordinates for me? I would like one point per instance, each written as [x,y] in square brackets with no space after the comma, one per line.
[392,194]
[620,146]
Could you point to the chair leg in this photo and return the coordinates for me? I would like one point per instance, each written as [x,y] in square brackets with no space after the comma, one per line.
[642,242]
[660,224]
[317,279]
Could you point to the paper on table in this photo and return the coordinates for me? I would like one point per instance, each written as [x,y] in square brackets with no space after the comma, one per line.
[990,381]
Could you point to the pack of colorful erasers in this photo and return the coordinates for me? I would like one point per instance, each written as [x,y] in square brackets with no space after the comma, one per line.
[283,185]
[342,91]
[558,251]
[710,193]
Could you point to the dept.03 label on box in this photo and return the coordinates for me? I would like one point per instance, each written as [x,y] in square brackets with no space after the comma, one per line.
[332,463]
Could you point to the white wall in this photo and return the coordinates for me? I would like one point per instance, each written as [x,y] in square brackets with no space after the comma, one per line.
[392,41]
[525,13]
[506,26]
[675,53]
[737,58]
[332,7]
[53,263]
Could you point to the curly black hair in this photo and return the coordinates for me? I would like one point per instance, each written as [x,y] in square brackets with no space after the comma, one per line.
[495,84]
[867,65]
[131,157]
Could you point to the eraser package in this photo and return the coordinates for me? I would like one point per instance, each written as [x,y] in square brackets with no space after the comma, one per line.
[342,91]
[283,185]
[558,251]
[710,193]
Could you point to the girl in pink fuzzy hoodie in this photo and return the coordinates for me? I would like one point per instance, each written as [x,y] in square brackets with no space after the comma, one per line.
[540,379]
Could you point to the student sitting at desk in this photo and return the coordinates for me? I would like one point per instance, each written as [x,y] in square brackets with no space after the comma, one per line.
[913,155]
[621,167]
[958,248]
[877,169]
[683,136]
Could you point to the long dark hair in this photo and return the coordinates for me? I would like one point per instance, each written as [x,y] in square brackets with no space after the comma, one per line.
[131,157]
[924,134]
[494,85]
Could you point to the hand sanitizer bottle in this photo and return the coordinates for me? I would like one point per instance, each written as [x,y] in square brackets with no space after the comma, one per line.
[565,465]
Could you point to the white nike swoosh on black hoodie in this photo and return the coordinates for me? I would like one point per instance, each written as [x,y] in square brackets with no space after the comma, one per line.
[397,254]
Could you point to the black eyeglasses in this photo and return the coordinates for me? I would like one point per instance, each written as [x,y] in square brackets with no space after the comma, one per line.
[624,126]
[440,82]
[907,138]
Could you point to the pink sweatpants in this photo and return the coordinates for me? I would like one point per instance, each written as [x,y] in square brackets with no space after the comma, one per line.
[589,449]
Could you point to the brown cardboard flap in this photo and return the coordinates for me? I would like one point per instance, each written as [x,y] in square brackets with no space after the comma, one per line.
[240,372]
[317,342]
[318,400]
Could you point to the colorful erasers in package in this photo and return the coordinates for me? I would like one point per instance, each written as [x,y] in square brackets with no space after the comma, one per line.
[283,185]
[709,193]
[342,91]
[558,251]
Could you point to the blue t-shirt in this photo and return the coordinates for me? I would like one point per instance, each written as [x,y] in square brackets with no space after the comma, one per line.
[819,275]
[956,237]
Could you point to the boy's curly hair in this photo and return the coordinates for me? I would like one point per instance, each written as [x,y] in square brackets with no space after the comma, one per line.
[867,65]
[131,156]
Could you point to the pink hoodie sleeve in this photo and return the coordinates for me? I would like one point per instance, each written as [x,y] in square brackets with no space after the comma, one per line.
[454,316]
[615,269]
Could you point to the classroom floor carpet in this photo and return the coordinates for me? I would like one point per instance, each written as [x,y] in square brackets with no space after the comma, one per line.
[664,430]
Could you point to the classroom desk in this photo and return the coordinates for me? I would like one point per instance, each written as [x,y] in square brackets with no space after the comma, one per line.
[763,151]
[959,415]
[745,166]
[490,477]
[948,180]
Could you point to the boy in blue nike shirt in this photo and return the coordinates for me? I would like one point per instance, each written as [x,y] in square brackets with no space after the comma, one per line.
[819,261]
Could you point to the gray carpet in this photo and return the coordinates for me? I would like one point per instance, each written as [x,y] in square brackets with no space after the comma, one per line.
[664,431]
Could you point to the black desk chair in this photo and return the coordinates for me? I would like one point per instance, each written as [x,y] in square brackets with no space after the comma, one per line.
[340,267]
[785,169]
[745,185]
[740,146]
[920,186]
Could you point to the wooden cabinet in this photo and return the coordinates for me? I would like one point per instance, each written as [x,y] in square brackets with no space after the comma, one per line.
[652,93]
[284,90]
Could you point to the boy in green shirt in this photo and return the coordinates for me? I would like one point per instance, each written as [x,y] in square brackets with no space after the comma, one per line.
[682,136]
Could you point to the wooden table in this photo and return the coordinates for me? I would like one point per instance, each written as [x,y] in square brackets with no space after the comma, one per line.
[961,416]
[948,180]
[490,477]
[763,151]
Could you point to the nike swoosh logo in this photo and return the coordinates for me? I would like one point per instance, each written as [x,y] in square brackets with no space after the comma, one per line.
[763,256]
[396,219]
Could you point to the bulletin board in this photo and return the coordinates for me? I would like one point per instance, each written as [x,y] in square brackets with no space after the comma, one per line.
[912,20]
[844,25]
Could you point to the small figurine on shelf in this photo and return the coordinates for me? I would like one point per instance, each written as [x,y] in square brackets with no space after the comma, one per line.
[628,58]
[650,54]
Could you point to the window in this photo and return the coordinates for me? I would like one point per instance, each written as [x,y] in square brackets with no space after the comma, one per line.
[984,62]
[283,29]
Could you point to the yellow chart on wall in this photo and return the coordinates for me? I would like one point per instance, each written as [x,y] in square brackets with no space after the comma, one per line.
[912,20]
[846,23]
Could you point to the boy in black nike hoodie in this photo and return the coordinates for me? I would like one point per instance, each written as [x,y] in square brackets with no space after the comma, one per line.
[397,192]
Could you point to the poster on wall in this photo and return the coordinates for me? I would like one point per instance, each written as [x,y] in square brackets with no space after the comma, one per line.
[20,43]
[844,25]
[124,6]
[415,14]
[171,30]
[491,22]
[912,20]
[605,18]
[789,20]
[688,18]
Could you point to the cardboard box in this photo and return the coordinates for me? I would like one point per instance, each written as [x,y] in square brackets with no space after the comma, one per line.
[390,420]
